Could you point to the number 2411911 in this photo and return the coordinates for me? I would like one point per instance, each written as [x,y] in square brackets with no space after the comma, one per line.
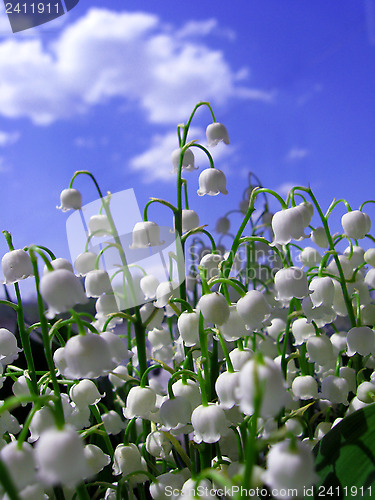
[348,491]
[32,8]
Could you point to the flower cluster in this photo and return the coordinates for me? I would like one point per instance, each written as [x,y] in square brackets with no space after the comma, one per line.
[224,380]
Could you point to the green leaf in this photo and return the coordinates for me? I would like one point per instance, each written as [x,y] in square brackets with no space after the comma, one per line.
[345,458]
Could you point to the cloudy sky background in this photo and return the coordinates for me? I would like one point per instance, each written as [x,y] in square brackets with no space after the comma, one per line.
[103,88]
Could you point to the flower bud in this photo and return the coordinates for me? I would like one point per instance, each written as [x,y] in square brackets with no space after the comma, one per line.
[212,182]
[320,349]
[222,225]
[226,386]
[16,266]
[70,198]
[305,387]
[366,392]
[85,393]
[190,220]
[310,257]
[188,326]
[356,224]
[370,257]
[113,423]
[127,459]
[59,263]
[20,463]
[214,308]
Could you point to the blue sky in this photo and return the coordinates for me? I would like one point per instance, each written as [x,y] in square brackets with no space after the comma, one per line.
[104,87]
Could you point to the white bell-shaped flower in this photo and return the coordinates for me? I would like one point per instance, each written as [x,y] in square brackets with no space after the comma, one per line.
[169,481]
[97,282]
[59,263]
[188,160]
[149,284]
[323,291]
[159,337]
[20,386]
[158,445]
[85,393]
[141,402]
[291,282]
[310,257]
[216,132]
[370,278]
[113,423]
[290,223]
[8,347]
[264,376]
[346,265]
[356,224]
[319,237]
[366,392]
[146,234]
[320,350]
[20,463]
[209,423]
[16,266]
[85,262]
[338,341]
[305,387]
[214,308]
[60,457]
[254,309]
[211,262]
[62,290]
[361,340]
[335,390]
[226,386]
[119,376]
[164,291]
[150,311]
[87,356]
[234,327]
[369,257]
[106,304]
[349,374]
[222,225]
[117,347]
[70,199]
[276,327]
[188,326]
[240,357]
[190,390]
[99,225]
[212,182]
[96,459]
[190,220]
[42,420]
[127,459]
[175,413]
[290,467]
[355,254]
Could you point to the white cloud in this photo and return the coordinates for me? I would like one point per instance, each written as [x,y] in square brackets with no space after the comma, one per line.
[8,138]
[155,163]
[107,54]
[296,154]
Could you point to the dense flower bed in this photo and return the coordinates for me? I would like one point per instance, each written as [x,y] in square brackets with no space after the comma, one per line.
[216,382]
